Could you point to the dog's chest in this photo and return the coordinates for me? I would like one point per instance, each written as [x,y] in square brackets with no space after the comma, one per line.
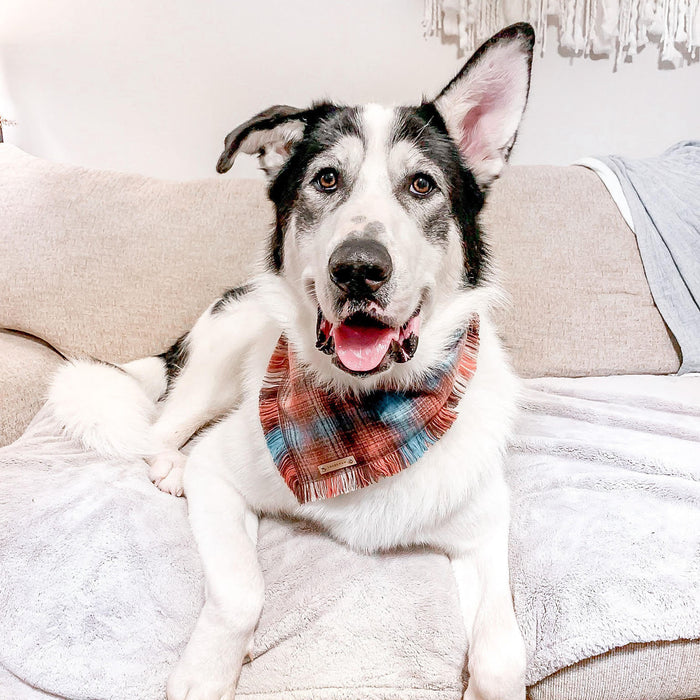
[404,509]
[400,510]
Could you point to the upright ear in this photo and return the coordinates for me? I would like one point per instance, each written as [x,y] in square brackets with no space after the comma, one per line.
[483,105]
[269,134]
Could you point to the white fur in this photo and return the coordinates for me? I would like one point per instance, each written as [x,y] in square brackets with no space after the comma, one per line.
[104,407]
[272,146]
[454,498]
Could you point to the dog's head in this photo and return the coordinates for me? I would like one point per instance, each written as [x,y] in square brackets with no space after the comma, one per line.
[377,207]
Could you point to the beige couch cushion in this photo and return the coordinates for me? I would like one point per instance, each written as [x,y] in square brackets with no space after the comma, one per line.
[26,366]
[580,303]
[654,671]
[119,265]
[115,265]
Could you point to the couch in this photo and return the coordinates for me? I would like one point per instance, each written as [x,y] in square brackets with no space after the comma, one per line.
[117,266]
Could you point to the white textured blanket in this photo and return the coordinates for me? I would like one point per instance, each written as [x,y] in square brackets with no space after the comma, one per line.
[100,582]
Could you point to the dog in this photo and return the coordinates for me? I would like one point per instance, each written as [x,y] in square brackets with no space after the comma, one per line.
[375,300]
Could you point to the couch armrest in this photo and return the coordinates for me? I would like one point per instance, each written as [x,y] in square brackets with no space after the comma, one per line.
[26,368]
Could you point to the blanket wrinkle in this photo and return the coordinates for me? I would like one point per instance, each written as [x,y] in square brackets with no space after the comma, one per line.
[101,584]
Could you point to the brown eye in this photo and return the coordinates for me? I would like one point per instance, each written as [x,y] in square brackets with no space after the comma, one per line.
[422,184]
[326,180]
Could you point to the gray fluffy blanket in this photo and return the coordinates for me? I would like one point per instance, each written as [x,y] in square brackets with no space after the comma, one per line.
[663,194]
[100,582]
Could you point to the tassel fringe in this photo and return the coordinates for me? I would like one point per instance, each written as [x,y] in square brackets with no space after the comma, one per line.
[617,28]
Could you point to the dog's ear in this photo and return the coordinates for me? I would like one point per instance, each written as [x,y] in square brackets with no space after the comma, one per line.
[269,134]
[483,105]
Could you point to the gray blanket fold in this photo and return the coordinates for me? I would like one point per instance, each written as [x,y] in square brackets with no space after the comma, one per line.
[663,194]
[100,583]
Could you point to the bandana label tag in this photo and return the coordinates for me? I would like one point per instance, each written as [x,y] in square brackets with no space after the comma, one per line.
[337,464]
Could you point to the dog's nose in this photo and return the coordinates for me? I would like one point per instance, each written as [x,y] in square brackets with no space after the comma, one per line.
[360,266]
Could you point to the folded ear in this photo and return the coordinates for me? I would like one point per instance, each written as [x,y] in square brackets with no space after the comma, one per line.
[483,105]
[269,134]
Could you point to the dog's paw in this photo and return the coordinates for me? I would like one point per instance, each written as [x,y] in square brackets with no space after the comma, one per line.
[166,471]
[188,684]
[497,683]
[210,667]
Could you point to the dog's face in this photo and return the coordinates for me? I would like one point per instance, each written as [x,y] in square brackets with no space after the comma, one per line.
[377,207]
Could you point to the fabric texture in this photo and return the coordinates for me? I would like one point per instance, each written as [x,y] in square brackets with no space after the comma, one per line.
[579,299]
[605,529]
[657,671]
[326,444]
[663,194]
[119,266]
[26,367]
[101,582]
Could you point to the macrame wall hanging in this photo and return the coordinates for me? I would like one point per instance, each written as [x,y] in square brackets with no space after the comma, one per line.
[615,28]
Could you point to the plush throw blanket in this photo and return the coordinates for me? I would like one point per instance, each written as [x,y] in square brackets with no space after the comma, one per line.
[100,582]
[662,197]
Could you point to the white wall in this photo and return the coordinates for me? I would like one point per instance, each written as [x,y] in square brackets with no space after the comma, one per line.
[152,86]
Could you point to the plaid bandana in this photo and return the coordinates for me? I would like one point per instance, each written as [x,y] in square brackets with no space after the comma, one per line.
[325,444]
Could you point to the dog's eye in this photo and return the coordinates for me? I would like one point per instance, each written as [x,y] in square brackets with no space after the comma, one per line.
[326,180]
[422,185]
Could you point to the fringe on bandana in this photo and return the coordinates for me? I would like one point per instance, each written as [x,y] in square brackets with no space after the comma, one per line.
[618,28]
[326,444]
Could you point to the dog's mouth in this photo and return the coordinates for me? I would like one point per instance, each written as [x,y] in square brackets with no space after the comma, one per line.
[364,344]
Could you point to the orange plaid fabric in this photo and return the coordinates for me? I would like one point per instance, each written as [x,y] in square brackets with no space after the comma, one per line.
[326,444]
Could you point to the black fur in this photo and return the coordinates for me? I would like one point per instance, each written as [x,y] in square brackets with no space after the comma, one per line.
[325,125]
[175,358]
[424,127]
[230,295]
[265,120]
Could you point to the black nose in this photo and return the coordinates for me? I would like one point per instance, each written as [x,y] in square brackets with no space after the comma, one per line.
[360,266]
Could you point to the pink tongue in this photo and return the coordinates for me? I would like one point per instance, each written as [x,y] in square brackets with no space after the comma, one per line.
[362,348]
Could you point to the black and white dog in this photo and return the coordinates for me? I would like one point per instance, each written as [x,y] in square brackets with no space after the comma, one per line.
[376,261]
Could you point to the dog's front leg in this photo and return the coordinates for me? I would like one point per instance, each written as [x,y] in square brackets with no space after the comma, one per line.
[496,648]
[225,531]
[205,386]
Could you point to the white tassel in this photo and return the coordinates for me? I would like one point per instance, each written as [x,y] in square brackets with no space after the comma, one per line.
[680,36]
[694,28]
[579,26]
[542,24]
[623,29]
[669,52]
[566,26]
[609,27]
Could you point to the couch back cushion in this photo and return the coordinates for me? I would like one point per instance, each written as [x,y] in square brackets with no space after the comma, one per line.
[580,301]
[117,266]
